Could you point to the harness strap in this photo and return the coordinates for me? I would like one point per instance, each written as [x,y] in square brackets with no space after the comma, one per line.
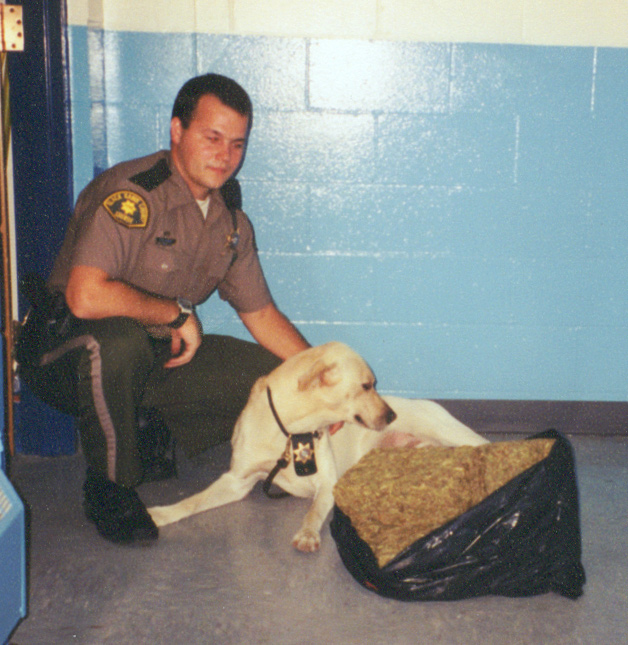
[303,447]
[274,411]
[282,463]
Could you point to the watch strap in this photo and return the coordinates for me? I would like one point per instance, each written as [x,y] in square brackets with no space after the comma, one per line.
[185,309]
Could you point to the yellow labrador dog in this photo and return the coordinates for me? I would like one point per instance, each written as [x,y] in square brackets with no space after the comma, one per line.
[290,427]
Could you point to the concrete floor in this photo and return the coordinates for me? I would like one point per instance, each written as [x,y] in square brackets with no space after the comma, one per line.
[230,576]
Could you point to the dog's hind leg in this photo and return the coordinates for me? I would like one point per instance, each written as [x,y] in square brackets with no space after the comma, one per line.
[226,489]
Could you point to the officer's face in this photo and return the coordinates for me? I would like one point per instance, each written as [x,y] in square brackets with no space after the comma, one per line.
[209,151]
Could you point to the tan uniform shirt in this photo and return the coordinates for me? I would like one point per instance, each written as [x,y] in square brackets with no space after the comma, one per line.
[139,222]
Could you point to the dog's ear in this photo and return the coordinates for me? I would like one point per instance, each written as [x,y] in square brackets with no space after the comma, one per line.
[320,374]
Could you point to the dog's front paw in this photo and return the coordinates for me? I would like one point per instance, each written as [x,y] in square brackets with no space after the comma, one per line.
[307,541]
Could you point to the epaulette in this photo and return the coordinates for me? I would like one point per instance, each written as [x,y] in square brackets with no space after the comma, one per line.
[153,177]
[232,194]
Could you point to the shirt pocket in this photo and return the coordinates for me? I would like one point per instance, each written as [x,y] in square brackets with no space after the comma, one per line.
[162,270]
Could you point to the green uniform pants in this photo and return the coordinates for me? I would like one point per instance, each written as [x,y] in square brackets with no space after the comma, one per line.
[109,368]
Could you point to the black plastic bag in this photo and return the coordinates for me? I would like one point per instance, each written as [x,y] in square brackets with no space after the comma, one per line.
[522,540]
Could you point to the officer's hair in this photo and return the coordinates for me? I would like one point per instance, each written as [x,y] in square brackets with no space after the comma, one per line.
[225,89]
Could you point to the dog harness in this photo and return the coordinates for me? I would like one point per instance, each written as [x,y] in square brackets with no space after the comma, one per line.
[299,448]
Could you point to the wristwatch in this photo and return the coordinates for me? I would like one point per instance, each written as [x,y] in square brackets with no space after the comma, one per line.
[185,309]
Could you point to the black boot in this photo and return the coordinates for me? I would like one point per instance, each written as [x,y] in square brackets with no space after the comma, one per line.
[119,514]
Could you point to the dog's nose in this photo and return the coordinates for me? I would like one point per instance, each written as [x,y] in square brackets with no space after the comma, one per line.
[390,416]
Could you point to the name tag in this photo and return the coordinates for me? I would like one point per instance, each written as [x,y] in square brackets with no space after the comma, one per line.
[165,241]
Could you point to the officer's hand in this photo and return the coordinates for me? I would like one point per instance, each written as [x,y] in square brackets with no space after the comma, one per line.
[185,341]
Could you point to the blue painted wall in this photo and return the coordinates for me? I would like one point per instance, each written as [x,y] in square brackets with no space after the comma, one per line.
[456,212]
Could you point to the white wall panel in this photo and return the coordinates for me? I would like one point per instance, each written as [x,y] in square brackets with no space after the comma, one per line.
[601,23]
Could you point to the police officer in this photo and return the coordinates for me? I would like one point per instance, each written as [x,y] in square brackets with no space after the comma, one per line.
[150,239]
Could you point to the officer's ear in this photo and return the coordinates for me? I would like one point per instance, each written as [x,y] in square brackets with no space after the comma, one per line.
[176,130]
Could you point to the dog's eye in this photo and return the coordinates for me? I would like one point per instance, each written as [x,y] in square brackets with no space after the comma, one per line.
[367,386]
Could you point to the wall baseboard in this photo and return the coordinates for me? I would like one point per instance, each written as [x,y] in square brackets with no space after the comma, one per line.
[529,417]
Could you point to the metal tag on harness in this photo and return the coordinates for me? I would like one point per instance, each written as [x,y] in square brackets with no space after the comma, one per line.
[303,454]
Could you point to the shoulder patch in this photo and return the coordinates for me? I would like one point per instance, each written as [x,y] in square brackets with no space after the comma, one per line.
[153,177]
[127,208]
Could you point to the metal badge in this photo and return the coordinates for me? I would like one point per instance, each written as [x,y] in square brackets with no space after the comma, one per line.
[303,454]
[232,240]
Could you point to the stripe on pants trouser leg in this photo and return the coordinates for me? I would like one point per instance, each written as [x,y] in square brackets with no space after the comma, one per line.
[100,405]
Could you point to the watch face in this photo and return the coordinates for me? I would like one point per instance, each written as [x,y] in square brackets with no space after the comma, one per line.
[185,309]
[185,305]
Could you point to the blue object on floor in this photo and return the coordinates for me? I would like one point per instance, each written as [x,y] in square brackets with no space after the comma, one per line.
[12,559]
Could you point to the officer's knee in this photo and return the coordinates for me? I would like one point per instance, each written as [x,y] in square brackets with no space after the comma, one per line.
[124,346]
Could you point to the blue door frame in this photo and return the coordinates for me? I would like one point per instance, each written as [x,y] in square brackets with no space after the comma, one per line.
[42,168]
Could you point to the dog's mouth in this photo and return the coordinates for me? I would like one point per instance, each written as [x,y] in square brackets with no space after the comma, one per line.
[360,420]
[335,427]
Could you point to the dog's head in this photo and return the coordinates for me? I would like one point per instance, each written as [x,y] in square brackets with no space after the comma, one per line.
[337,380]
